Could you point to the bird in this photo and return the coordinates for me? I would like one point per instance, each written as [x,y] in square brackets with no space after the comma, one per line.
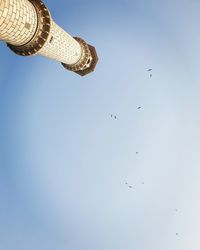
[149,69]
[177,234]
[126,183]
[139,107]
[137,153]
[113,116]
[130,186]
[150,75]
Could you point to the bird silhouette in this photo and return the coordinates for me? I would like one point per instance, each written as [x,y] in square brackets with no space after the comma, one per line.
[113,116]
[149,69]
[137,153]
[139,107]
[130,186]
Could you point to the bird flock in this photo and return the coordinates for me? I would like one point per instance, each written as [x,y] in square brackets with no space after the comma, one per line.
[114,116]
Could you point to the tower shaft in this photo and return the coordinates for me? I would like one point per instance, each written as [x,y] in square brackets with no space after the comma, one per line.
[28,29]
[61,46]
[18,21]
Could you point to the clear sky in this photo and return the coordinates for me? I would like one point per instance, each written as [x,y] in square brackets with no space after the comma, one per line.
[64,161]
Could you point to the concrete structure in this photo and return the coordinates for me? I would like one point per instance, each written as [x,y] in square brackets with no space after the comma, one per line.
[28,29]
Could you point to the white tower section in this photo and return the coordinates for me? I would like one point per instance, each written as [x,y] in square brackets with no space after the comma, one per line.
[28,29]
[61,46]
[18,21]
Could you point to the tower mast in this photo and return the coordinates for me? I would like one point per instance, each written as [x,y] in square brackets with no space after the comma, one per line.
[28,29]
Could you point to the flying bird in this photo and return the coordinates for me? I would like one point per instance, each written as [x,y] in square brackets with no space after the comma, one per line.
[113,116]
[130,186]
[137,153]
[149,69]
[139,107]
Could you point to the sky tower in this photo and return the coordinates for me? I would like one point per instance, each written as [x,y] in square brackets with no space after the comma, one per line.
[28,29]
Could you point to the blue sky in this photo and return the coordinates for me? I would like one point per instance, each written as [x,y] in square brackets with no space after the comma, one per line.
[63,160]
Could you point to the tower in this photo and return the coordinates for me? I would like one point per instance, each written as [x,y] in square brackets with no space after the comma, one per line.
[28,29]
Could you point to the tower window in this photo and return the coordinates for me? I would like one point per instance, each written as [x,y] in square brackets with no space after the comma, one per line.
[51,40]
[27,26]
